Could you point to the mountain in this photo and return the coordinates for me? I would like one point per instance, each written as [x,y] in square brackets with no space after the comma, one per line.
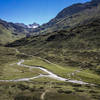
[71,17]
[69,52]
[22,25]
[34,25]
[10,31]
[78,46]
[82,37]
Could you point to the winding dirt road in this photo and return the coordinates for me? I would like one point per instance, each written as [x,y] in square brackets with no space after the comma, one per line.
[49,74]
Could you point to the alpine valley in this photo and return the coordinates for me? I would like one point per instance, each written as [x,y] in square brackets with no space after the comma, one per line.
[59,60]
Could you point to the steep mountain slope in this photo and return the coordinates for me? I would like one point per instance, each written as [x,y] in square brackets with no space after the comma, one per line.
[10,32]
[79,46]
[71,17]
[22,25]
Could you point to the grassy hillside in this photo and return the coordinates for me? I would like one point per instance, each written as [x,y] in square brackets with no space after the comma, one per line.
[6,35]
[76,47]
[10,32]
[68,51]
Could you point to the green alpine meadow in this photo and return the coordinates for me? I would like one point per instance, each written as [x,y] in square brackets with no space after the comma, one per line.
[58,59]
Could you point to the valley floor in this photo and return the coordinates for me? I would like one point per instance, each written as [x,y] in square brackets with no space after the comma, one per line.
[16,82]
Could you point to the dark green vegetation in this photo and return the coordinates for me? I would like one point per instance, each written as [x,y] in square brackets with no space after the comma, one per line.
[7,55]
[56,90]
[34,89]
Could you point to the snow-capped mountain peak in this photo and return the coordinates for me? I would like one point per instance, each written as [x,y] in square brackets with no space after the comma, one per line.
[34,25]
